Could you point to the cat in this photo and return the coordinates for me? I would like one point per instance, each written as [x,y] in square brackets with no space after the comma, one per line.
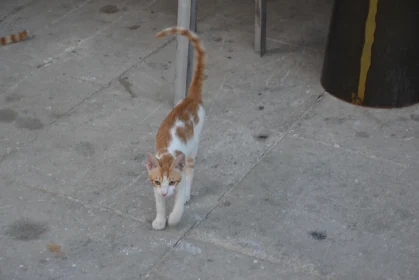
[14,38]
[171,169]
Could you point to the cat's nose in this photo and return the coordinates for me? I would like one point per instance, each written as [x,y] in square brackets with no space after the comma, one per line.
[163,194]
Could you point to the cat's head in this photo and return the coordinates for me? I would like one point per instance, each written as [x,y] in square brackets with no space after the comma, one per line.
[165,173]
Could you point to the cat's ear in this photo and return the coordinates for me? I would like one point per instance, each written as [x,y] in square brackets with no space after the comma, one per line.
[152,162]
[179,162]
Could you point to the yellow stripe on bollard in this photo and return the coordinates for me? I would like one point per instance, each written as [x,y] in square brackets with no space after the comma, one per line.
[366,52]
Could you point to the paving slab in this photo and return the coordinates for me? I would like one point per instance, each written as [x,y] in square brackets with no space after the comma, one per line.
[284,84]
[81,156]
[11,72]
[96,155]
[9,8]
[35,103]
[148,84]
[11,137]
[389,134]
[83,99]
[310,205]
[34,16]
[92,244]
[102,143]
[197,260]
[45,97]
[92,154]
[74,25]
[111,43]
[298,23]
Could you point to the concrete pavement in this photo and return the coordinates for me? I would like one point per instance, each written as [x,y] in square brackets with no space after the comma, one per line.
[290,182]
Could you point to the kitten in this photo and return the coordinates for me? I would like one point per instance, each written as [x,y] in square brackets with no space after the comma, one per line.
[171,169]
[13,38]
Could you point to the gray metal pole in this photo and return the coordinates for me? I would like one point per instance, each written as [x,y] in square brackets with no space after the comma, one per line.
[183,20]
[260,26]
[192,27]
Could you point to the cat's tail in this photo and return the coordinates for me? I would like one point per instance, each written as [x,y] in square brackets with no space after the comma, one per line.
[13,38]
[195,89]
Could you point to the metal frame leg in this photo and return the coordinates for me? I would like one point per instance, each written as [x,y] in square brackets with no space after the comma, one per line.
[260,26]
[184,51]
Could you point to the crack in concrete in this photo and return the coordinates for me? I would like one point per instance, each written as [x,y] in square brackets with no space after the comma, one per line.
[369,156]
[127,85]
[16,10]
[6,156]
[66,114]
[96,207]
[285,265]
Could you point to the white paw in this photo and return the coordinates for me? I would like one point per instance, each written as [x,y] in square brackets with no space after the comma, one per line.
[187,194]
[159,223]
[174,218]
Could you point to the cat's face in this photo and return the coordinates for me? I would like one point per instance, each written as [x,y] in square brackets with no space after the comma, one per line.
[165,173]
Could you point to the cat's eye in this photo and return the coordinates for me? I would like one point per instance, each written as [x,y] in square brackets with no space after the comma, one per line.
[157,183]
[172,183]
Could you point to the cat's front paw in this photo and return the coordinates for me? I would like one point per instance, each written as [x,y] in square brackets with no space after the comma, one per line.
[187,198]
[174,218]
[159,223]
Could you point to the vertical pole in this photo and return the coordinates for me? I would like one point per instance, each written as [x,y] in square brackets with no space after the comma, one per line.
[183,63]
[192,27]
[260,26]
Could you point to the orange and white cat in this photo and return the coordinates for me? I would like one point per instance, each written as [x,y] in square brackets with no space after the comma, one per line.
[171,168]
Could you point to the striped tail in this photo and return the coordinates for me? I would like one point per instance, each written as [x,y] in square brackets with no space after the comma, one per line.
[13,38]
[195,89]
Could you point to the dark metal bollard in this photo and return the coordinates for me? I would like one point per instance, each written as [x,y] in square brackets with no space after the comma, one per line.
[372,54]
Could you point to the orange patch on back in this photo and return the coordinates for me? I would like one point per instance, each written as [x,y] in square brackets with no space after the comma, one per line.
[183,112]
[185,132]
